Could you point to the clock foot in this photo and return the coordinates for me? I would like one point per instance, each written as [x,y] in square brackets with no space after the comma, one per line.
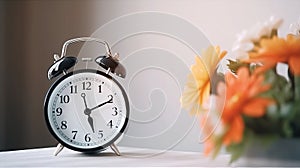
[115,149]
[58,149]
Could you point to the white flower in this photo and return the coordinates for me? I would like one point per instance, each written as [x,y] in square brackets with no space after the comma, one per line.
[295,28]
[245,40]
[271,24]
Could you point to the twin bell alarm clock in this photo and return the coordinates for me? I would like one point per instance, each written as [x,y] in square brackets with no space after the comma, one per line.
[86,110]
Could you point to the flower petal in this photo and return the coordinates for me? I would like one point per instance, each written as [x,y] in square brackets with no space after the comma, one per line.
[257,107]
[235,132]
[294,62]
[208,147]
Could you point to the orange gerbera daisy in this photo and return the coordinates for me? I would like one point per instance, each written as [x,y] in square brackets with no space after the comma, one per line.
[242,97]
[274,50]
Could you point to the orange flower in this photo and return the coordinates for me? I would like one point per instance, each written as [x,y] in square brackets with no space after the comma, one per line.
[242,97]
[208,129]
[274,50]
[197,88]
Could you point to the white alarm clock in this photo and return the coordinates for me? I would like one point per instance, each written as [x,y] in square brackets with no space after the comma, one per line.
[86,110]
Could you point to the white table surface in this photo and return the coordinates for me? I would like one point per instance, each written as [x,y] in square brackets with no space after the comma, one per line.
[131,157]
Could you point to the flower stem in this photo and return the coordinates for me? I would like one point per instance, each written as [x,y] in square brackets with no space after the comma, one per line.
[297,87]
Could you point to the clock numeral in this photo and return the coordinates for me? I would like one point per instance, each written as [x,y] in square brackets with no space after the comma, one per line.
[110,98]
[86,86]
[87,137]
[64,99]
[100,133]
[73,89]
[63,125]
[115,111]
[100,88]
[58,111]
[75,133]
[110,124]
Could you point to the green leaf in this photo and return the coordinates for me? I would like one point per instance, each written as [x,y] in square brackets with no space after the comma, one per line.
[235,65]
[280,86]
[218,147]
[297,88]
[287,129]
[237,150]
[295,121]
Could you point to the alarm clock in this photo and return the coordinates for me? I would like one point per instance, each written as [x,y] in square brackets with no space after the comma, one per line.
[86,110]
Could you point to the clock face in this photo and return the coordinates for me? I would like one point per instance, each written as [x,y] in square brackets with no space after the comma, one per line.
[86,110]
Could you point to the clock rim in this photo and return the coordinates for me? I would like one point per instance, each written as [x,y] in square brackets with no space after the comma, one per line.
[97,148]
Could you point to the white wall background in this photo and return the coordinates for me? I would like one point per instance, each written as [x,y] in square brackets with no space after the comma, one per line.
[219,21]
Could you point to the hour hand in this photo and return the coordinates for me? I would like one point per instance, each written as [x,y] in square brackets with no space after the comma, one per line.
[87,112]
[90,120]
[108,101]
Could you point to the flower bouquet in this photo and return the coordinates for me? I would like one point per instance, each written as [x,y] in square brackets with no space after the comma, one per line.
[252,99]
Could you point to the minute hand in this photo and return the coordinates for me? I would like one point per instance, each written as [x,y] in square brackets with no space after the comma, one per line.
[108,101]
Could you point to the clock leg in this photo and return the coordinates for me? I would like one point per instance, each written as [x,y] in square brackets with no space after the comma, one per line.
[115,149]
[58,149]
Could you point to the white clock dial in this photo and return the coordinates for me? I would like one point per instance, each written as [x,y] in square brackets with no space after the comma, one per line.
[86,110]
